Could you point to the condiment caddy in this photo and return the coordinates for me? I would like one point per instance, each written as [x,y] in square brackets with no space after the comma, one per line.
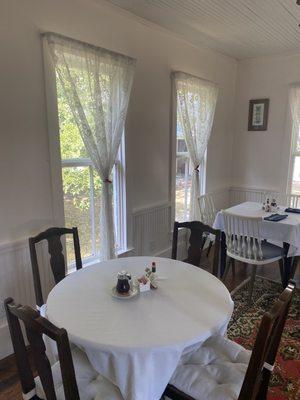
[148,280]
[270,206]
[126,288]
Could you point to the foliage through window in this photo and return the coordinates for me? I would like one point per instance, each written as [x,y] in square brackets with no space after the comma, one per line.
[81,185]
[184,170]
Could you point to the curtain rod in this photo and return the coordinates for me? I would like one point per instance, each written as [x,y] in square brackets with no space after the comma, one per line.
[82,43]
[173,73]
[294,84]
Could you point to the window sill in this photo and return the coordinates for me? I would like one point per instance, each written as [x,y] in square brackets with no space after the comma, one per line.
[95,260]
[124,252]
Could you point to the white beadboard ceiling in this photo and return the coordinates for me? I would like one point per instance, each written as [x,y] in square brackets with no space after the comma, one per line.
[239,28]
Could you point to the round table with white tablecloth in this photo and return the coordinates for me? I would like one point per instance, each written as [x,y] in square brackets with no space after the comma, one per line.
[137,343]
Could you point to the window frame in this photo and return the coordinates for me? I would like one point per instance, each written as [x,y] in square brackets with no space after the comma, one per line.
[57,164]
[174,157]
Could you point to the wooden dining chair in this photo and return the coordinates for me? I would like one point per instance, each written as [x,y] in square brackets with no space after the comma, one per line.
[245,244]
[71,378]
[57,259]
[223,369]
[198,236]
[293,201]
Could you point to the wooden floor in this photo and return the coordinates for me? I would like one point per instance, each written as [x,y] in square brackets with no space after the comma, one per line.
[9,383]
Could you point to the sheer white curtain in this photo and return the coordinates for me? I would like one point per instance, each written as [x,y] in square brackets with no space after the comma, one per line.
[196,103]
[97,85]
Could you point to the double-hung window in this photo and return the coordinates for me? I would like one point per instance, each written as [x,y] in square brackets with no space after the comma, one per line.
[82,185]
[184,171]
[195,108]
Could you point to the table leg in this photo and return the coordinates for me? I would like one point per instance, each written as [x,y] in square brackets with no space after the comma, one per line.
[287,262]
[223,254]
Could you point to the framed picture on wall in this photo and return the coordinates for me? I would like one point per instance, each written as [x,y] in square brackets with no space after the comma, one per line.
[258,115]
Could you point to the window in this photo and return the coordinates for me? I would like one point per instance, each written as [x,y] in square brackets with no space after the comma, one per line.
[81,187]
[196,100]
[294,170]
[184,171]
[88,90]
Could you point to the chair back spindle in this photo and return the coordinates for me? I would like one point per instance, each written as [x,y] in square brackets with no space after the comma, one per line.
[293,201]
[243,236]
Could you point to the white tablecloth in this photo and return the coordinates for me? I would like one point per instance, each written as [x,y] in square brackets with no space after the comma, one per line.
[286,230]
[137,343]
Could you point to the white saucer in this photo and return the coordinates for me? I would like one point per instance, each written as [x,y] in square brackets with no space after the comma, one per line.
[132,293]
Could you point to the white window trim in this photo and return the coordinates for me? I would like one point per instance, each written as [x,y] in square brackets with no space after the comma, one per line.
[56,164]
[202,167]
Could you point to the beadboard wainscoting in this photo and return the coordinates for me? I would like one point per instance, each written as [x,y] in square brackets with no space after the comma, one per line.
[152,230]
[239,194]
[221,198]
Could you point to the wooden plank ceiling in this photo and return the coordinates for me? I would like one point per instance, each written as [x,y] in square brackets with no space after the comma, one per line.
[239,28]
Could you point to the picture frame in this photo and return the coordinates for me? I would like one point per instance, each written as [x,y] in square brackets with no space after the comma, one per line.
[258,114]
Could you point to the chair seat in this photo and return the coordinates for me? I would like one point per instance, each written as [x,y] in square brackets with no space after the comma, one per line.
[91,385]
[214,372]
[271,253]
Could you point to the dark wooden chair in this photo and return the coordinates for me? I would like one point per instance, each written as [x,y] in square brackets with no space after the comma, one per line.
[57,259]
[35,327]
[257,377]
[198,235]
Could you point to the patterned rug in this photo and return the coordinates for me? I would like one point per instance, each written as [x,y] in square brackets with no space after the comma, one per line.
[285,383]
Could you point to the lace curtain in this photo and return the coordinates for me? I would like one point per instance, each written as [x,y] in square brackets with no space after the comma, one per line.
[196,103]
[97,85]
[295,110]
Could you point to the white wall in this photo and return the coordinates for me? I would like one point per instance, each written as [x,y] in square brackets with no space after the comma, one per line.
[261,159]
[25,201]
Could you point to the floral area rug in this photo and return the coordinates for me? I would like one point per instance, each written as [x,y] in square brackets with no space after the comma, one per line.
[285,383]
